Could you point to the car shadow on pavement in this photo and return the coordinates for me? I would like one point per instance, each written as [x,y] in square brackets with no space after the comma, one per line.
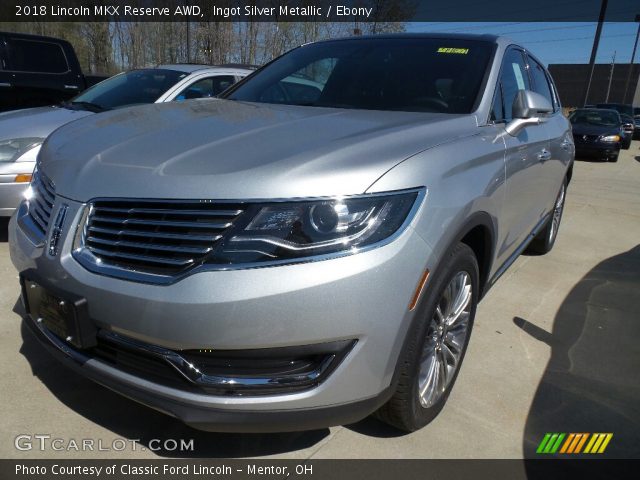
[372,427]
[130,420]
[590,384]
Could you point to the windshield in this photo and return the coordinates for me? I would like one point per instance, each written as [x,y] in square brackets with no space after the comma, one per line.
[404,74]
[596,117]
[130,88]
[618,107]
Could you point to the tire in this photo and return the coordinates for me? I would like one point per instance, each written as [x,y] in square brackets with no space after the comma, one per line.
[546,238]
[614,158]
[626,145]
[407,410]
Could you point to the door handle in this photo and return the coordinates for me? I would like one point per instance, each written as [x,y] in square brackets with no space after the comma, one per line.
[5,84]
[71,87]
[566,144]
[544,155]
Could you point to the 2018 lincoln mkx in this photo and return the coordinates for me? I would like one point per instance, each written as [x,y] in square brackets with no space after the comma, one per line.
[308,249]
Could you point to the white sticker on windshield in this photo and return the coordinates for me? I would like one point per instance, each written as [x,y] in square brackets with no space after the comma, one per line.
[518,73]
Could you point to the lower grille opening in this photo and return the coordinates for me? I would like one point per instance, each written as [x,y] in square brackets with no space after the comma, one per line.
[225,372]
[141,365]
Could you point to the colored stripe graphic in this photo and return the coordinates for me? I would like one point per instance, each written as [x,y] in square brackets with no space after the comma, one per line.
[581,443]
[543,443]
[567,443]
[555,447]
[608,438]
[572,443]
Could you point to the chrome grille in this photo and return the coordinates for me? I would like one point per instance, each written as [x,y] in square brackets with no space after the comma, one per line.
[160,237]
[586,138]
[41,202]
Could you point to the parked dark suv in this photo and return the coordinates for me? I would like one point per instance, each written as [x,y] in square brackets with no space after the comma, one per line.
[37,71]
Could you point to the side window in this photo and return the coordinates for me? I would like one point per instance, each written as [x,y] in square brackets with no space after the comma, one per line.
[207,87]
[540,81]
[36,56]
[513,78]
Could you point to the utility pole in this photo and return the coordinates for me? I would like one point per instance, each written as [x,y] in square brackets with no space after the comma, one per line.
[633,56]
[188,36]
[594,50]
[613,65]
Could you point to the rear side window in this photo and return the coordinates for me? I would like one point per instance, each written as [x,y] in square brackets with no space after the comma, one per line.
[540,81]
[513,78]
[36,56]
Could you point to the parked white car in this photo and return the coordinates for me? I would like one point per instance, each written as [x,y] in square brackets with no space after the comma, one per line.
[23,131]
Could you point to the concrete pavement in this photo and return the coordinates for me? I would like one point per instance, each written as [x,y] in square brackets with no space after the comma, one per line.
[554,349]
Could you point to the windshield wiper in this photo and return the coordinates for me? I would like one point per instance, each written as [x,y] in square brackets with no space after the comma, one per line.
[92,107]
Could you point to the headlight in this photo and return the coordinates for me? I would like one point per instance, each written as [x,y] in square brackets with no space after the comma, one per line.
[11,150]
[29,191]
[303,229]
[610,138]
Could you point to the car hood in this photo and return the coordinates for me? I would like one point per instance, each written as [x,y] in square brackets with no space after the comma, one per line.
[586,129]
[221,149]
[36,122]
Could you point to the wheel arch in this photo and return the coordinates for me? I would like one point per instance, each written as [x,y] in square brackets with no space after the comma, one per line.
[478,233]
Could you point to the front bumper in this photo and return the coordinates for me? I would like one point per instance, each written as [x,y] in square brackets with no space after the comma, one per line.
[607,150]
[193,412]
[362,297]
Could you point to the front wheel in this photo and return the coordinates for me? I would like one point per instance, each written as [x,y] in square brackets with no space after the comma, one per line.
[614,158]
[544,241]
[436,343]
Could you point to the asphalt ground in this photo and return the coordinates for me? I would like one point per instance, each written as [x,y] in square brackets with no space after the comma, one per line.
[555,348]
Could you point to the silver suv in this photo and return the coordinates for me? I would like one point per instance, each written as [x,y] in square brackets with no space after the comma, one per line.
[309,249]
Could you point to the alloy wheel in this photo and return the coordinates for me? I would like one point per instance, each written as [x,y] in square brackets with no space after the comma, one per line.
[557,214]
[446,337]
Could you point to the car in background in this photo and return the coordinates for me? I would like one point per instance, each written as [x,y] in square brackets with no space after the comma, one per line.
[37,70]
[23,131]
[597,132]
[628,128]
[621,108]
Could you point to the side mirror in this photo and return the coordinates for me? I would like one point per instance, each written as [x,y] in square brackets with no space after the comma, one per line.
[527,109]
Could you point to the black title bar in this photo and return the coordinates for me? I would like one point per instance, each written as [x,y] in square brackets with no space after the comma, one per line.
[380,11]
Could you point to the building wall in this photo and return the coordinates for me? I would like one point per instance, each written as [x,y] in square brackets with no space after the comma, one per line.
[571,80]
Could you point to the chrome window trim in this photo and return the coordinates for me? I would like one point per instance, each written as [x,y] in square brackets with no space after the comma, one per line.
[95,265]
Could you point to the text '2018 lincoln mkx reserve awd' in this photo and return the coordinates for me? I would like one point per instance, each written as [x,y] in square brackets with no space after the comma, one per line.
[306,250]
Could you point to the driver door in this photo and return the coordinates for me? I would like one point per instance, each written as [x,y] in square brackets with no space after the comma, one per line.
[525,153]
